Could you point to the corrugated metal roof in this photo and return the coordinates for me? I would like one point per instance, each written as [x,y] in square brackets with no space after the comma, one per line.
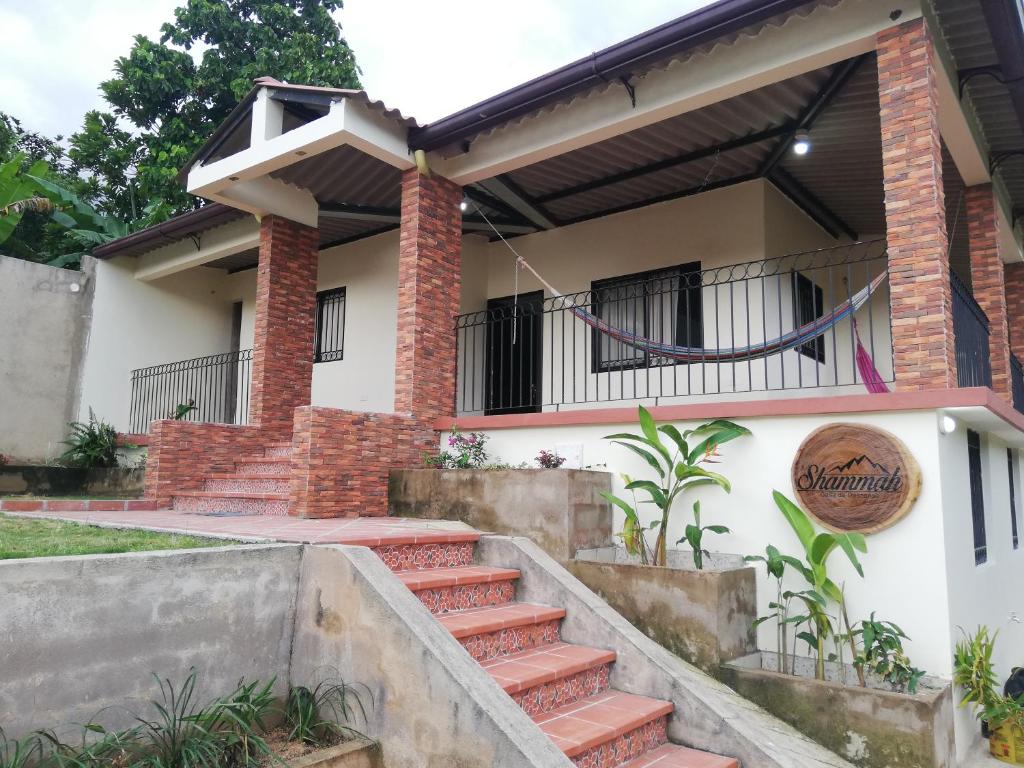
[346,175]
[350,94]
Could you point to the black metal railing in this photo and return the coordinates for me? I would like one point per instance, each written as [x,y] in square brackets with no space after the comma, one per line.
[970,331]
[534,352]
[212,389]
[1017,382]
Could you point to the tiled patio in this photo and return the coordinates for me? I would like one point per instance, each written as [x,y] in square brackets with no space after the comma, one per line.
[363,531]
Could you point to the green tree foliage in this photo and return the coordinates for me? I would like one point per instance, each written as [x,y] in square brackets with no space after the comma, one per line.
[164,105]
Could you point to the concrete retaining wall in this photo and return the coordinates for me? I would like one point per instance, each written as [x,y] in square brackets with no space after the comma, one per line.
[45,313]
[115,482]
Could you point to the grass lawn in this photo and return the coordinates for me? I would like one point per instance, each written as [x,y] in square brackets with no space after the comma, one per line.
[26,537]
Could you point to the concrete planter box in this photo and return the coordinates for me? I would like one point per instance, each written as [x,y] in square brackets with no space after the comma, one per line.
[358,753]
[561,510]
[705,617]
[871,727]
[116,482]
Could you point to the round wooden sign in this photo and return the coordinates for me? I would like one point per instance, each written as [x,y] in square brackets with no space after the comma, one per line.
[852,477]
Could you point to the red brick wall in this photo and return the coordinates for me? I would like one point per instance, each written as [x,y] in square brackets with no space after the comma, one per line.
[987,280]
[922,319]
[429,283]
[282,366]
[1014,277]
[182,453]
[341,459]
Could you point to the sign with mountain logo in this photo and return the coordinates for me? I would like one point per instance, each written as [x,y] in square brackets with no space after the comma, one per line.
[853,477]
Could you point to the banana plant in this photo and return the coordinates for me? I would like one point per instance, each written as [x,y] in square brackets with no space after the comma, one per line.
[677,466]
[818,547]
[694,536]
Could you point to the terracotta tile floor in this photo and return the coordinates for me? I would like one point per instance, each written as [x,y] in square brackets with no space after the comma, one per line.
[365,531]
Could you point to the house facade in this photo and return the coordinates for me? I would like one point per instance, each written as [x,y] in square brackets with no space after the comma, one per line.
[355,287]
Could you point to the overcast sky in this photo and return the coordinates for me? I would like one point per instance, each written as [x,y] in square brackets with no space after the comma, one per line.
[426,58]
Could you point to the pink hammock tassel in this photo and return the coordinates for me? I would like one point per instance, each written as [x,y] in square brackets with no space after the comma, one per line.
[872,379]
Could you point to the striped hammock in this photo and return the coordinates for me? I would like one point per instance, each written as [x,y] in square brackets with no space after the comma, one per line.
[791,340]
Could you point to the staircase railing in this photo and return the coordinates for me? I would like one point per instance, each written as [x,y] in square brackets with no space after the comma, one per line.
[971,332]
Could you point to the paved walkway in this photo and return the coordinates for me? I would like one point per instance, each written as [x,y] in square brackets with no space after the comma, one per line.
[364,531]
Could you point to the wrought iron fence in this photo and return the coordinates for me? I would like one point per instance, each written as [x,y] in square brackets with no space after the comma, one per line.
[207,389]
[531,352]
[1017,383]
[970,331]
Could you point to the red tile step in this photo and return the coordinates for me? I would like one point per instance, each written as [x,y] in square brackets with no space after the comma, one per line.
[505,629]
[423,551]
[545,678]
[277,449]
[248,483]
[674,756]
[77,505]
[607,729]
[250,503]
[444,590]
[263,465]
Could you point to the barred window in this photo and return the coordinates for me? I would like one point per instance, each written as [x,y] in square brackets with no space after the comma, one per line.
[330,326]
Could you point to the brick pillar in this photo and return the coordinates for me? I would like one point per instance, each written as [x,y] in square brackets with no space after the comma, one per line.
[429,284]
[282,358]
[921,303]
[1013,275]
[987,280]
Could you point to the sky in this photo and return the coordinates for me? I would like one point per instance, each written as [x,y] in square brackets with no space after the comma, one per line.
[428,59]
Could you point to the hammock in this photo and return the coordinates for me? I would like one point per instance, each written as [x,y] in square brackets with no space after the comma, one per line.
[791,340]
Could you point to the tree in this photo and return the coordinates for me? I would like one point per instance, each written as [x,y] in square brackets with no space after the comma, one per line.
[164,105]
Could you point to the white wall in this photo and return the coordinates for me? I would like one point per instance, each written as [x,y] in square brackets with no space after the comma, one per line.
[743,223]
[368,270]
[138,324]
[989,594]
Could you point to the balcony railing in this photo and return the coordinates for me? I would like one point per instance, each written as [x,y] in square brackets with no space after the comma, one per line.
[532,352]
[208,389]
[970,331]
[1017,383]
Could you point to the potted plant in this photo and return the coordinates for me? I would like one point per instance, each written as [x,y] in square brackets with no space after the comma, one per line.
[1001,715]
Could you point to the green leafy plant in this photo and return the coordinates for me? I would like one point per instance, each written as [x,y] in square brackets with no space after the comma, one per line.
[239,719]
[694,536]
[775,565]
[325,713]
[181,410]
[882,653]
[465,452]
[974,672]
[91,445]
[549,460]
[20,753]
[678,467]
[97,748]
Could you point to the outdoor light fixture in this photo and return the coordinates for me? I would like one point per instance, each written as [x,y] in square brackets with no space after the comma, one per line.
[801,143]
[947,424]
[464,205]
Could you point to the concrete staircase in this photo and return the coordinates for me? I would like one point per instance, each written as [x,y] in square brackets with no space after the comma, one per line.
[564,688]
[259,485]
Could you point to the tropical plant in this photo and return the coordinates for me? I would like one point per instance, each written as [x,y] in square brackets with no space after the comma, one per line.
[91,445]
[974,672]
[549,460]
[20,753]
[465,452]
[97,748]
[181,410]
[238,719]
[325,713]
[678,467]
[775,565]
[178,735]
[882,653]
[694,536]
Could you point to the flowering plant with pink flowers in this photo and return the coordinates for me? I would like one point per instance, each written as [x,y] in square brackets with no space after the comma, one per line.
[465,451]
[549,460]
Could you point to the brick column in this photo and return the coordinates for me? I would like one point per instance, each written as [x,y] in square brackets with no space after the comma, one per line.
[429,284]
[282,358]
[987,280]
[921,303]
[1013,275]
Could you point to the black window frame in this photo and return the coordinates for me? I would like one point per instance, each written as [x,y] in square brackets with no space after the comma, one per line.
[688,327]
[1011,470]
[324,301]
[977,486]
[808,306]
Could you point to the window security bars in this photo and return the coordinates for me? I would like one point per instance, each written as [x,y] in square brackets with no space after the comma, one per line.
[1017,383]
[330,326]
[977,497]
[1011,470]
[213,389]
[528,355]
[970,331]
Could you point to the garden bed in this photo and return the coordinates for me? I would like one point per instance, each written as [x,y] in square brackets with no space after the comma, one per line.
[703,616]
[354,753]
[872,727]
[115,482]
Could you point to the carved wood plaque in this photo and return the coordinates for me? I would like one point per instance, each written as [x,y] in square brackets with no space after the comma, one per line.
[852,477]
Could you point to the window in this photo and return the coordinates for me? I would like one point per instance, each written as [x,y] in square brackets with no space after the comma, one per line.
[808,306]
[1011,471]
[662,305]
[330,326]
[977,496]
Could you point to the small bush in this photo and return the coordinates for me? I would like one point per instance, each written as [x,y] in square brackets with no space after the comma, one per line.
[324,714]
[91,445]
[549,460]
[465,452]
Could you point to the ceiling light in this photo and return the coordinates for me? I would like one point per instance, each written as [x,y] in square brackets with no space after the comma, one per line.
[801,143]
[464,205]
[947,424]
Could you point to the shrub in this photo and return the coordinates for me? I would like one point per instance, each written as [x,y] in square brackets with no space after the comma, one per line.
[320,715]
[882,652]
[548,460]
[91,445]
[465,452]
